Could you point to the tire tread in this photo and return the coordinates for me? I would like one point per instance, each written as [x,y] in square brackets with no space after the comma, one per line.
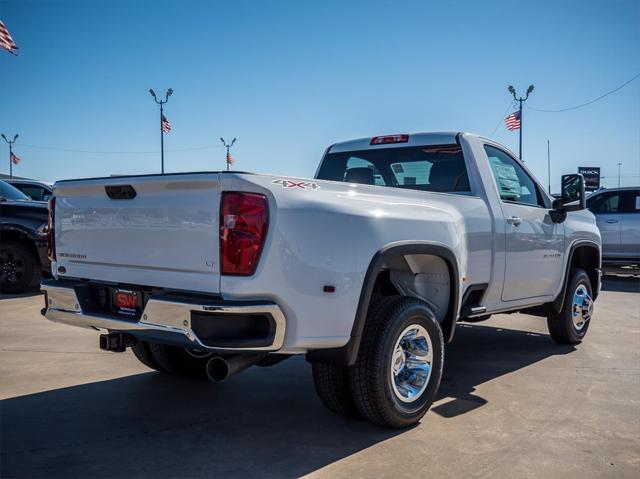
[362,388]
[332,388]
[142,351]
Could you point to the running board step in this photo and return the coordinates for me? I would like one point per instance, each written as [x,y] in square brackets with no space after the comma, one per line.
[470,311]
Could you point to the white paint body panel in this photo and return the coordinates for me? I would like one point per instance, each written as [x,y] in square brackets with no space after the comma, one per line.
[534,251]
[168,236]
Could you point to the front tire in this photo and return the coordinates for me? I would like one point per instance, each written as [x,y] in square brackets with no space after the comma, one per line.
[570,325]
[399,365]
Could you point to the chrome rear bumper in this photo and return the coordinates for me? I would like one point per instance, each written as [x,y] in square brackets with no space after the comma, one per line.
[164,318]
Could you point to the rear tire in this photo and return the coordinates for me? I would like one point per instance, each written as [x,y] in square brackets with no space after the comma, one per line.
[332,382]
[332,387]
[180,361]
[399,366]
[142,352]
[570,325]
[19,268]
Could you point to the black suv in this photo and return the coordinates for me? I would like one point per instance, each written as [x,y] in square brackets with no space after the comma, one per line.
[23,240]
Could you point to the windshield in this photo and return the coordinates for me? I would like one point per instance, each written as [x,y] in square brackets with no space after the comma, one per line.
[8,192]
[425,168]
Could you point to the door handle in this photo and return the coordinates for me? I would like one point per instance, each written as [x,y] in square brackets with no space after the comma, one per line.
[514,220]
[611,221]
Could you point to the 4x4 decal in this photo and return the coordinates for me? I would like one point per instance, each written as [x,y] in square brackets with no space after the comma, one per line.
[303,185]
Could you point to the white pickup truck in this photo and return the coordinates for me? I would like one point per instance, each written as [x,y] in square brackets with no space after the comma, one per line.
[365,268]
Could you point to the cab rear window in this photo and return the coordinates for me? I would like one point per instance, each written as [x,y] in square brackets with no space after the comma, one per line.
[425,168]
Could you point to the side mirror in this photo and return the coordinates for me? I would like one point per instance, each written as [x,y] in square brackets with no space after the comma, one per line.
[572,199]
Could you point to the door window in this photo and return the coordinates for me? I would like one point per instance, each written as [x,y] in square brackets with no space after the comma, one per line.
[631,201]
[605,203]
[34,192]
[514,183]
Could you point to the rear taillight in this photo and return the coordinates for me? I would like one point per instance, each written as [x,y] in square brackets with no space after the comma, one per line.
[385,140]
[244,218]
[51,233]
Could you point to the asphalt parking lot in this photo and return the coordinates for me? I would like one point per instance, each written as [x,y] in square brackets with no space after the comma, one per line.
[512,404]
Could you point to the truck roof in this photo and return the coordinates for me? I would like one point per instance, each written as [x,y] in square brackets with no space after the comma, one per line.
[415,139]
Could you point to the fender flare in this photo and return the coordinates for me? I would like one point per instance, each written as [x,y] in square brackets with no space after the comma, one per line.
[347,354]
[22,229]
[556,304]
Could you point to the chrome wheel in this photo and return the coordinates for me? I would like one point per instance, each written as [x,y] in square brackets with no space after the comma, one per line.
[582,307]
[411,363]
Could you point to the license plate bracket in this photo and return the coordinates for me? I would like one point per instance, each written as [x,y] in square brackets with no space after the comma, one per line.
[127,302]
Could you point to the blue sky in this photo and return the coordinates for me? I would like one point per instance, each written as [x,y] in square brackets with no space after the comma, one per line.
[289,78]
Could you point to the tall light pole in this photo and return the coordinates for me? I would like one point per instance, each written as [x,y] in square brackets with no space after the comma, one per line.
[549,165]
[520,100]
[619,165]
[227,146]
[11,142]
[161,103]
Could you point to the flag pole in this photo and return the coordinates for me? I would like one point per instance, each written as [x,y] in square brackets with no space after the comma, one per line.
[520,100]
[521,125]
[161,141]
[227,146]
[11,142]
[549,165]
[161,103]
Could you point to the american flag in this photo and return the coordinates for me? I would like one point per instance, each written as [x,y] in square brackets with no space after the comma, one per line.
[513,121]
[166,126]
[6,41]
[230,160]
[14,159]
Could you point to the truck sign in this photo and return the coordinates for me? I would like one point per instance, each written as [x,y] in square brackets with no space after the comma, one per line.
[591,177]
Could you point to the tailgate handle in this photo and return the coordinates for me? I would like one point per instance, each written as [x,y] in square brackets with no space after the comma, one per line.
[120,192]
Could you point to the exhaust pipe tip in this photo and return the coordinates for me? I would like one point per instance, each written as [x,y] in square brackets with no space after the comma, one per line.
[221,368]
[218,369]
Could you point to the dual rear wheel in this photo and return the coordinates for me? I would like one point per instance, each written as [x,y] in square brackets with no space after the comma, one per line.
[398,369]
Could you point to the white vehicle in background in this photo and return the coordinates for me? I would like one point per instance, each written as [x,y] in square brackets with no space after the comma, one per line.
[617,212]
[365,268]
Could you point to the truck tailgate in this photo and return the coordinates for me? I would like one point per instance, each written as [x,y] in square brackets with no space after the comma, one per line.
[166,236]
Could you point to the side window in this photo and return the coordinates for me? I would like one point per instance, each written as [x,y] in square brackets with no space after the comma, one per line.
[605,203]
[514,184]
[35,192]
[631,201]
